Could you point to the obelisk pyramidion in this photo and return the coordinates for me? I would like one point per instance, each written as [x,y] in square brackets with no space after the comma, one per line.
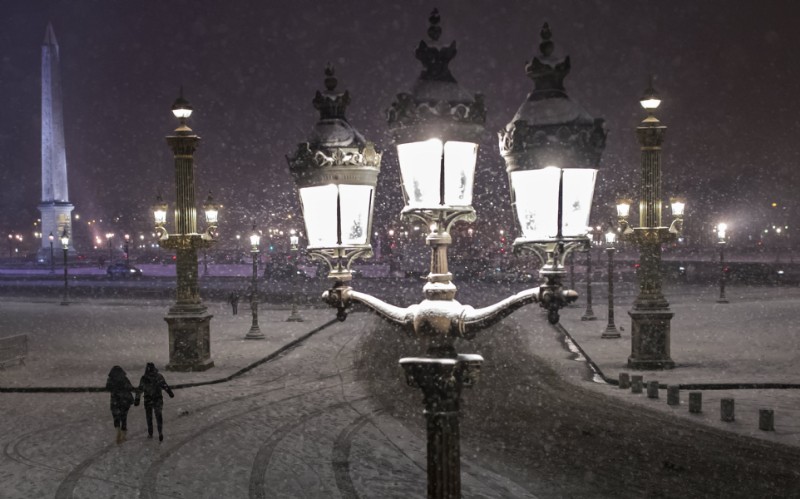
[55,207]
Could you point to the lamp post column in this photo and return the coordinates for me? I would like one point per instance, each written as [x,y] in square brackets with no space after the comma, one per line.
[441,380]
[188,319]
[611,329]
[255,332]
[722,273]
[52,257]
[65,246]
[651,315]
[588,315]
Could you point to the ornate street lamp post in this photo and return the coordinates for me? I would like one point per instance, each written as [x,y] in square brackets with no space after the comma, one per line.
[254,333]
[611,328]
[721,233]
[188,319]
[436,129]
[51,237]
[109,236]
[651,315]
[65,247]
[127,249]
[294,241]
[588,314]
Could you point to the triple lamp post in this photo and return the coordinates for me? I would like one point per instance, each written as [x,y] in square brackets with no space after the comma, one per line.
[188,320]
[651,315]
[436,129]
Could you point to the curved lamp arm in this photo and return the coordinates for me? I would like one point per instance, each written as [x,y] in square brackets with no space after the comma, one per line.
[473,320]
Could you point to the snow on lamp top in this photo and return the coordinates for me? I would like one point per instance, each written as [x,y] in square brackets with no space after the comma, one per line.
[336,172]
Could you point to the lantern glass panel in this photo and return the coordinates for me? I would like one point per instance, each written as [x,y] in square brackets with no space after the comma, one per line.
[420,169]
[677,208]
[160,215]
[319,212]
[536,196]
[623,209]
[182,112]
[459,167]
[356,207]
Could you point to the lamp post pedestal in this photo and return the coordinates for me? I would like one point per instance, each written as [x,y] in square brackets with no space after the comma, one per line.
[188,320]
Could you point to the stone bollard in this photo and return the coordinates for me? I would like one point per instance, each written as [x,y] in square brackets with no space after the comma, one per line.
[652,389]
[766,419]
[624,381]
[636,383]
[726,410]
[673,395]
[695,402]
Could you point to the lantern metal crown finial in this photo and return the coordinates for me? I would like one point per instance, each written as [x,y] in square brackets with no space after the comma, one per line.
[546,70]
[330,104]
[436,59]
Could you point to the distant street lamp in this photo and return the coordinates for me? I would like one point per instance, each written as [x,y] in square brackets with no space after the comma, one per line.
[51,237]
[65,247]
[436,129]
[611,328]
[109,236]
[588,314]
[188,319]
[127,249]
[651,315]
[254,333]
[294,240]
[721,242]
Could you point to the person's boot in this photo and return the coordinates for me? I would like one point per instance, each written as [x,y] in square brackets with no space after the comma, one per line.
[124,436]
[119,436]
[160,437]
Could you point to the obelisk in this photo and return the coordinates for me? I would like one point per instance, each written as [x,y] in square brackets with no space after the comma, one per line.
[55,208]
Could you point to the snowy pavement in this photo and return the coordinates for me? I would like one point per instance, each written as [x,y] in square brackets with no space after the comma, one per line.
[298,427]
[303,425]
[754,339]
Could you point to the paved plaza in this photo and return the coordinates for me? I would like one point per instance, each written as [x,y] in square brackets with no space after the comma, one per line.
[298,422]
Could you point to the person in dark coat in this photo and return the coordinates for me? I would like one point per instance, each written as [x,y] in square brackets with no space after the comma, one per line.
[233,299]
[151,385]
[121,399]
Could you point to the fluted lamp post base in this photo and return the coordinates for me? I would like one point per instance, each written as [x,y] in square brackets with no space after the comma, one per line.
[189,338]
[650,339]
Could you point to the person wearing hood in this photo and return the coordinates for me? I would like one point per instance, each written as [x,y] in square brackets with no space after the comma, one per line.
[121,399]
[151,384]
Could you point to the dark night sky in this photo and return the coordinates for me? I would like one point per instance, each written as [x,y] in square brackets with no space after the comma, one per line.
[727,71]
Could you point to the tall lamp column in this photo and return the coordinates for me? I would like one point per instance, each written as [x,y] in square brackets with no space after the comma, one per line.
[65,247]
[611,329]
[188,319]
[254,333]
[721,233]
[651,315]
[109,236]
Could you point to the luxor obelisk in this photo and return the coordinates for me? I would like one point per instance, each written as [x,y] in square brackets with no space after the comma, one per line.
[55,207]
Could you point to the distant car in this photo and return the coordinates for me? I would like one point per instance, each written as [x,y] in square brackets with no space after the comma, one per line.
[123,270]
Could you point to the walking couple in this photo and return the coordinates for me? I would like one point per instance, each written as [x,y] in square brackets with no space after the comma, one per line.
[122,391]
